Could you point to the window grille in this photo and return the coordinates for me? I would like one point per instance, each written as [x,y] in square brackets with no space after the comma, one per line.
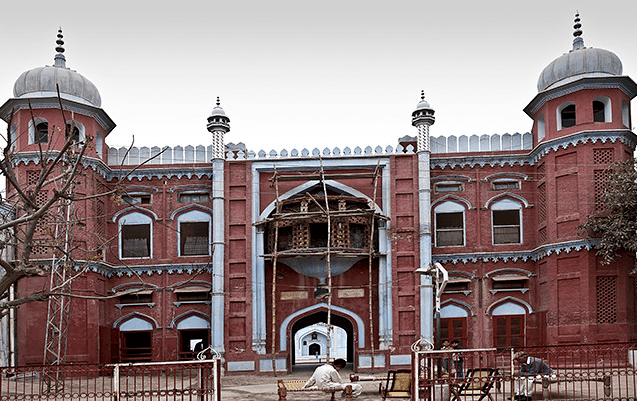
[541,201]
[601,179]
[603,156]
[606,299]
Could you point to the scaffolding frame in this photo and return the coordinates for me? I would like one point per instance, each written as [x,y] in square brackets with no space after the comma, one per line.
[328,214]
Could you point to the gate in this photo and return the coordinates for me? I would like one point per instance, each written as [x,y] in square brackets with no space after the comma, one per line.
[165,381]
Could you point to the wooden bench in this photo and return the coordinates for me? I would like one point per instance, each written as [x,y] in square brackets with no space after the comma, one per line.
[287,386]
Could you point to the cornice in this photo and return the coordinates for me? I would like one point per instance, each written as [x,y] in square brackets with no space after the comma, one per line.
[515,256]
[167,172]
[626,136]
[108,270]
[87,162]
[623,83]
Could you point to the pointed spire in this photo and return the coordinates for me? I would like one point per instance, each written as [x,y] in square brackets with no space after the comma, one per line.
[60,60]
[578,42]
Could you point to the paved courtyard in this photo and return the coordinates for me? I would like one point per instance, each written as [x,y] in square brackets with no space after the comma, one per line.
[263,387]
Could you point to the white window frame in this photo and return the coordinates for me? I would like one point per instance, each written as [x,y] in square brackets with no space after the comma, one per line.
[559,113]
[80,128]
[608,111]
[32,129]
[504,205]
[135,218]
[194,216]
[625,114]
[541,128]
[450,207]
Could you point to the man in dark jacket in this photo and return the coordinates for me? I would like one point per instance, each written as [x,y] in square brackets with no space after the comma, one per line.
[530,369]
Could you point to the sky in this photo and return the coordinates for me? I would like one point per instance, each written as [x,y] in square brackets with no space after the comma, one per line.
[308,74]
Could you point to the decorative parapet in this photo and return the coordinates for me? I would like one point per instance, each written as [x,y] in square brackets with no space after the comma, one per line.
[483,143]
[514,256]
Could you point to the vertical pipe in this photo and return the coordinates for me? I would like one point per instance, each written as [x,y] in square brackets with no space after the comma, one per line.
[424,215]
[218,241]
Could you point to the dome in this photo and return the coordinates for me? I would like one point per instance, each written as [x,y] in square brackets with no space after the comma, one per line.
[41,82]
[580,62]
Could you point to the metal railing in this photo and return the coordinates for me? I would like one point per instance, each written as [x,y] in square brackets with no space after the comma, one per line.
[191,380]
[577,372]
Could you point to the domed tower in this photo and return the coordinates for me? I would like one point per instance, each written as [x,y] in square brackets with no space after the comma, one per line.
[38,89]
[581,124]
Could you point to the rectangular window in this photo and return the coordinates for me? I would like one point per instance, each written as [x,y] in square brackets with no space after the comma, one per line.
[136,199]
[190,294]
[194,238]
[318,235]
[42,133]
[448,187]
[358,236]
[135,240]
[506,226]
[136,346]
[138,297]
[508,331]
[192,342]
[449,229]
[503,185]
[194,197]
[454,329]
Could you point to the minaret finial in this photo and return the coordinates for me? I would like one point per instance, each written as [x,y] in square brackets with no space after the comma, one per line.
[60,60]
[218,102]
[578,42]
[422,94]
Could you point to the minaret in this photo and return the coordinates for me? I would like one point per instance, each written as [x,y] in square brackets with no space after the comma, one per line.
[218,125]
[422,118]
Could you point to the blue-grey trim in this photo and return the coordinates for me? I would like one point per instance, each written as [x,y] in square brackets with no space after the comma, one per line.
[451,198]
[242,366]
[98,114]
[133,209]
[135,315]
[505,175]
[624,83]
[265,365]
[533,255]
[185,208]
[497,197]
[192,187]
[184,315]
[505,300]
[509,269]
[140,189]
[453,301]
[365,361]
[542,149]
[149,304]
[87,162]
[161,172]
[457,273]
[400,359]
[451,178]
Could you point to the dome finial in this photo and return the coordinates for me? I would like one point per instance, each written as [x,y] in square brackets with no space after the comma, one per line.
[218,102]
[578,42]
[60,60]
[422,94]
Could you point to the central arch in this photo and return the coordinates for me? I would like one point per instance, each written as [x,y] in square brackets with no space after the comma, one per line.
[320,317]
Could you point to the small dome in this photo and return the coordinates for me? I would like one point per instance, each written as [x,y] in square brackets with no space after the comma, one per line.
[41,82]
[580,62]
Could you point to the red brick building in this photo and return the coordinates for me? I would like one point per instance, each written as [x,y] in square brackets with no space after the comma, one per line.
[238,250]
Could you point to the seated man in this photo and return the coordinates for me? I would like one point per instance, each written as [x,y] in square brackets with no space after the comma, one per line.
[530,369]
[327,377]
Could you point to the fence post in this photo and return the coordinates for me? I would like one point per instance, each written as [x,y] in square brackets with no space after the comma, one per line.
[116,382]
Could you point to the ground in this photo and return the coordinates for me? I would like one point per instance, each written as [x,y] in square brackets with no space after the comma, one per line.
[263,387]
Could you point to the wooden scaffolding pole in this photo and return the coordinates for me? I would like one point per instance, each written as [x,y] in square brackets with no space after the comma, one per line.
[274,262]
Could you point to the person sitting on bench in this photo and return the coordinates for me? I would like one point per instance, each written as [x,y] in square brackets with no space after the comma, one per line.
[327,376]
[530,368]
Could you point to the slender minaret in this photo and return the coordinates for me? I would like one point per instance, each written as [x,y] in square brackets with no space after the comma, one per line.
[218,125]
[422,118]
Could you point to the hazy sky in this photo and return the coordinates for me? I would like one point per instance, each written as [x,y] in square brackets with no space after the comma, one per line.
[304,74]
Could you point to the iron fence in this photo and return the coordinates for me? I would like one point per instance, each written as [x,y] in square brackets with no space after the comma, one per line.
[164,381]
[577,372]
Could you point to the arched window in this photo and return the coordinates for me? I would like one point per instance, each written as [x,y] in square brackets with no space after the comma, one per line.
[541,128]
[566,115]
[136,336]
[625,114]
[135,236]
[194,336]
[506,218]
[601,109]
[194,233]
[509,325]
[99,144]
[75,129]
[449,221]
[38,133]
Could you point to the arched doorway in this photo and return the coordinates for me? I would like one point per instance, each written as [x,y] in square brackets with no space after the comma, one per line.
[316,324]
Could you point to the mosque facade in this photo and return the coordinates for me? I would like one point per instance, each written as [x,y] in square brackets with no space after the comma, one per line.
[272,258]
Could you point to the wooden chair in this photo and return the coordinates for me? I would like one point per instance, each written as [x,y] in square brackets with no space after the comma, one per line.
[477,382]
[398,384]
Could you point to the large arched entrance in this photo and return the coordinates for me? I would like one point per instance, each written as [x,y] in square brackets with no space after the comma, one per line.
[309,334]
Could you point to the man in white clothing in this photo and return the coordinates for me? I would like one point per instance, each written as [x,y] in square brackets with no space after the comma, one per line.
[327,376]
